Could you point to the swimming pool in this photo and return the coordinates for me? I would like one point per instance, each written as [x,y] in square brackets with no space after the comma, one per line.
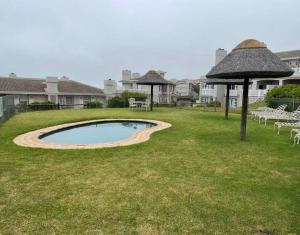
[94,133]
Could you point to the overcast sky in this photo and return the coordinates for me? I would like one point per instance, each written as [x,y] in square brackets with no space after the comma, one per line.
[92,40]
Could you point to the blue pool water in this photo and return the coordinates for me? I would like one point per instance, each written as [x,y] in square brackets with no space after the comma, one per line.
[96,133]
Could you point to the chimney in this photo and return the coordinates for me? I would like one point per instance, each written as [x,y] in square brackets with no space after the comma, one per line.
[52,85]
[220,54]
[12,75]
[110,87]
[220,89]
[126,75]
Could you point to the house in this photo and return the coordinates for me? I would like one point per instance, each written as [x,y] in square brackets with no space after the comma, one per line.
[61,91]
[185,87]
[161,94]
[259,87]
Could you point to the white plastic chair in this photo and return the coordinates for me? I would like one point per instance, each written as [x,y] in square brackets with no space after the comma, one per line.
[146,105]
[132,104]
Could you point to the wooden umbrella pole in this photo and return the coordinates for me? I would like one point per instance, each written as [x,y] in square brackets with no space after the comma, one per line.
[244,109]
[227,101]
[151,105]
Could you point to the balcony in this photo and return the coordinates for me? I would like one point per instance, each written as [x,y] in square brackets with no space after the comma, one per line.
[207,92]
[233,93]
[145,91]
[258,93]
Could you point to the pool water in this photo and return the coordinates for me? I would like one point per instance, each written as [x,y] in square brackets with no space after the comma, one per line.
[95,133]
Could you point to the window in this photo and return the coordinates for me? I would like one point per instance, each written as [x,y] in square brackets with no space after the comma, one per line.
[164,88]
[23,99]
[86,100]
[69,100]
[233,103]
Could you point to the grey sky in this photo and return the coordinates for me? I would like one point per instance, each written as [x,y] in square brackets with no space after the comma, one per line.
[91,40]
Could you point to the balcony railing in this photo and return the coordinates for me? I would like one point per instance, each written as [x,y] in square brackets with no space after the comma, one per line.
[233,93]
[207,92]
[258,93]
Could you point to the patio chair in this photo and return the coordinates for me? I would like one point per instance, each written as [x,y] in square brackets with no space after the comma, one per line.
[296,131]
[146,105]
[297,139]
[279,125]
[275,114]
[260,110]
[263,111]
[297,110]
[132,104]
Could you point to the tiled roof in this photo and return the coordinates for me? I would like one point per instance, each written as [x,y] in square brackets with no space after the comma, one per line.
[38,86]
[288,54]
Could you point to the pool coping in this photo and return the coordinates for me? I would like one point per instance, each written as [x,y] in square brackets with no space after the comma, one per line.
[32,139]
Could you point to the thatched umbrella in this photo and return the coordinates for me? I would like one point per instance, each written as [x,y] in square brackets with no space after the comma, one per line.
[228,83]
[152,78]
[249,59]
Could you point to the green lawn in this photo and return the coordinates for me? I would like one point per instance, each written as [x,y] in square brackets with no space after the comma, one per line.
[193,178]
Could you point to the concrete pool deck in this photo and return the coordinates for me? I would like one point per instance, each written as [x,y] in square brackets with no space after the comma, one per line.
[32,139]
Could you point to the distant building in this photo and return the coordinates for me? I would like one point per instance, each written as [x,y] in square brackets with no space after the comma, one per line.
[259,87]
[60,91]
[184,87]
[161,94]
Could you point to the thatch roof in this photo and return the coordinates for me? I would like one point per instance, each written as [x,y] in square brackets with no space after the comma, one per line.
[153,78]
[250,59]
[217,81]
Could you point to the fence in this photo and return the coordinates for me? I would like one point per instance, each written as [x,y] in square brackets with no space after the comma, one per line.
[292,104]
[7,107]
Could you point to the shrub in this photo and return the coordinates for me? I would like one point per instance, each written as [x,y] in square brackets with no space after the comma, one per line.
[116,102]
[166,105]
[122,101]
[214,103]
[42,103]
[37,106]
[287,94]
[286,91]
[93,105]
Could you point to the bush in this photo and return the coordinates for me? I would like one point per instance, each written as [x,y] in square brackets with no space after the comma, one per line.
[37,106]
[93,105]
[42,103]
[122,101]
[214,103]
[286,91]
[116,102]
[287,94]
[166,105]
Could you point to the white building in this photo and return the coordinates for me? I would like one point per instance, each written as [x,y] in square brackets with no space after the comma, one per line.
[259,87]
[161,94]
[184,87]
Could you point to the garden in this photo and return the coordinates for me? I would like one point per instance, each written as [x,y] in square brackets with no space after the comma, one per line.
[196,177]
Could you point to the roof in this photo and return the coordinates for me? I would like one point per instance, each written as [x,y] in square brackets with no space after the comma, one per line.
[29,85]
[250,43]
[250,59]
[153,78]
[289,54]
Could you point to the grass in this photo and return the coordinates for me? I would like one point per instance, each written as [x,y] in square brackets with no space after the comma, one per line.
[193,178]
